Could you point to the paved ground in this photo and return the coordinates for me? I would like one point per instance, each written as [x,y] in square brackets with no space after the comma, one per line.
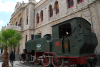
[17,64]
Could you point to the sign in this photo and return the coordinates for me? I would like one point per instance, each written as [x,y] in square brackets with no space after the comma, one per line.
[38,46]
[57,43]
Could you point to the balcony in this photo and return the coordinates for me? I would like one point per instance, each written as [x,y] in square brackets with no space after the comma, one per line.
[18,28]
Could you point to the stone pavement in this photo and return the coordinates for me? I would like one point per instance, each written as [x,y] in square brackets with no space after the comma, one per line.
[17,64]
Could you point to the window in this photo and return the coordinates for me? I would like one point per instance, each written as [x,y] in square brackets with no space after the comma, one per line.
[70,3]
[37,18]
[32,37]
[20,22]
[57,7]
[26,37]
[27,20]
[16,23]
[41,15]
[80,1]
[51,11]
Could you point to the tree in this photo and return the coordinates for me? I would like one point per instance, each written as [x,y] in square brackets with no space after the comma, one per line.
[9,38]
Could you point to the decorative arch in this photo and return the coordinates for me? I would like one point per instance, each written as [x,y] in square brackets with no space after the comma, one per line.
[50,11]
[56,7]
[41,14]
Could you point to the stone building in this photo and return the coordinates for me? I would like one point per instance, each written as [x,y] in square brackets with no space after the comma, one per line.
[23,20]
[33,18]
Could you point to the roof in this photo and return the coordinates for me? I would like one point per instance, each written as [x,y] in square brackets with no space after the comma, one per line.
[70,20]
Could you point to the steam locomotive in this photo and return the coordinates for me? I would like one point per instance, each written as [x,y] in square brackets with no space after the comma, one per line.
[72,44]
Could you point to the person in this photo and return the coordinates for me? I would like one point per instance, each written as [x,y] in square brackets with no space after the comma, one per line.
[12,58]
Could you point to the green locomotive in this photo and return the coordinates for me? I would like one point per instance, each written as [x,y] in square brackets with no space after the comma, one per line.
[72,44]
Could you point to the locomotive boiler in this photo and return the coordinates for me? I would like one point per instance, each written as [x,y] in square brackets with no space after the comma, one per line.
[72,44]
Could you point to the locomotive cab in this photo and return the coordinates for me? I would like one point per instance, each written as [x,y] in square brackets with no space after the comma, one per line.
[73,36]
[61,38]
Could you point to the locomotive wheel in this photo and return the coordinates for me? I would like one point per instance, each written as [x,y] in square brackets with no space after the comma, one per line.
[47,61]
[84,65]
[89,65]
[57,62]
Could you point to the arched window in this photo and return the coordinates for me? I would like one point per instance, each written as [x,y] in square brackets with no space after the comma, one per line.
[41,15]
[16,23]
[32,36]
[70,3]
[20,22]
[57,7]
[51,10]
[27,20]
[37,18]
[80,1]
[26,37]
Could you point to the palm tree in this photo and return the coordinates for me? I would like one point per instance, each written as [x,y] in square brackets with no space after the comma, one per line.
[9,38]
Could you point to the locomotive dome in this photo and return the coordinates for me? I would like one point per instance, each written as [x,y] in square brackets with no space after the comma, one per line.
[37,36]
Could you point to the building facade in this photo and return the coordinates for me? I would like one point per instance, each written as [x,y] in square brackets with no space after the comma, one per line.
[37,18]
[22,20]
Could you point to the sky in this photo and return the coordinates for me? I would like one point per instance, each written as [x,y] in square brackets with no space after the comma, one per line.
[6,9]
